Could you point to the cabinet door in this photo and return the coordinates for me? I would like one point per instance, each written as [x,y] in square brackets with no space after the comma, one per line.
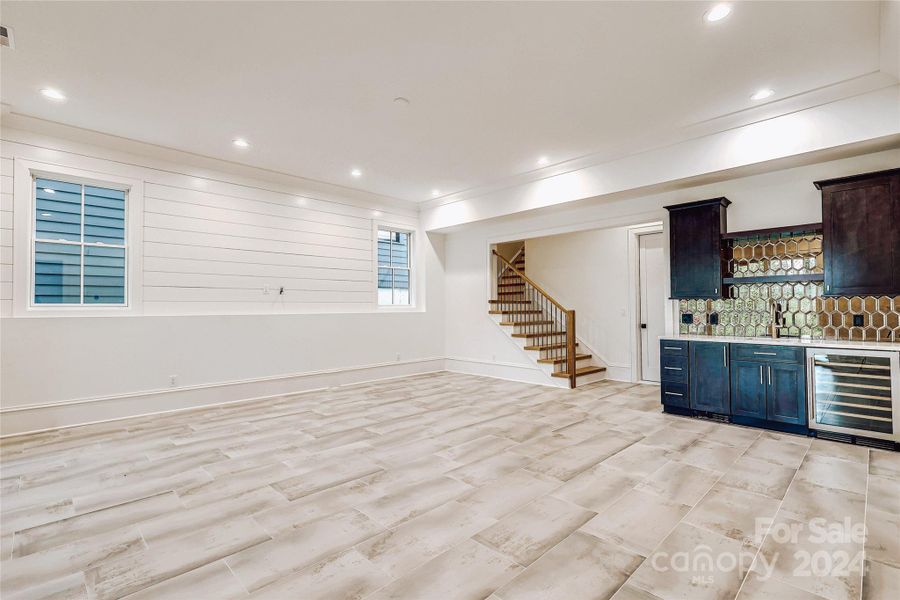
[748,389]
[709,377]
[786,395]
[695,249]
[861,220]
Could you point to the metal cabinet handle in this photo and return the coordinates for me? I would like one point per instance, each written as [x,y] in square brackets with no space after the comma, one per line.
[673,394]
[672,348]
[760,375]
[673,368]
[725,356]
[770,375]
[766,353]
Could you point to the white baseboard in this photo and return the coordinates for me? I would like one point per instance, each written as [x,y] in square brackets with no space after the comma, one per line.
[618,372]
[501,370]
[17,420]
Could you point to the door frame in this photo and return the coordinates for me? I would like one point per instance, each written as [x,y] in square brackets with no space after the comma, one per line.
[634,295]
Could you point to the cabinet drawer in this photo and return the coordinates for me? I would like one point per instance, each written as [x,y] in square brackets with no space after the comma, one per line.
[766,353]
[673,348]
[675,394]
[673,369]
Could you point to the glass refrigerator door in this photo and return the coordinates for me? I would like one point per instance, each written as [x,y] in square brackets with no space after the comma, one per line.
[853,392]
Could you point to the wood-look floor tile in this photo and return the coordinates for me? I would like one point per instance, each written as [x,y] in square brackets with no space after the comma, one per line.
[638,521]
[81,555]
[503,496]
[213,580]
[414,542]
[469,571]
[181,522]
[267,562]
[348,576]
[581,566]
[324,477]
[413,500]
[298,491]
[698,579]
[133,572]
[527,533]
[679,482]
[597,488]
[61,532]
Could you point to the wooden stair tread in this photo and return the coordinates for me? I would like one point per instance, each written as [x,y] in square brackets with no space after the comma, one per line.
[533,311]
[542,347]
[522,323]
[557,361]
[537,335]
[581,371]
[495,301]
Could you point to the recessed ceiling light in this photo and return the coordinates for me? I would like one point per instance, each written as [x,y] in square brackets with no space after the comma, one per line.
[762,94]
[53,94]
[717,13]
[240,143]
[435,193]
[376,213]
[543,161]
[50,190]
[356,173]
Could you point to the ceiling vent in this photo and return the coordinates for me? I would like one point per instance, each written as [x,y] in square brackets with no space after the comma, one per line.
[6,37]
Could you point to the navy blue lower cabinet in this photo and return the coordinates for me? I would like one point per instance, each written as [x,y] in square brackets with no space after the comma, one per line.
[786,397]
[709,377]
[748,389]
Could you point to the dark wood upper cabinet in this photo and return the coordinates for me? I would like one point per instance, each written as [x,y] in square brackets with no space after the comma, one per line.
[695,249]
[861,237]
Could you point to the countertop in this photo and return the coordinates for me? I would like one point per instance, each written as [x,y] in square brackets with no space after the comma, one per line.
[840,344]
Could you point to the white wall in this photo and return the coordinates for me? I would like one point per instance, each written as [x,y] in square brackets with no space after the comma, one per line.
[782,197]
[214,236]
[587,271]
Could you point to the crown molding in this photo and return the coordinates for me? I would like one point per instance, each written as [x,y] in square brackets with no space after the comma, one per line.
[856,86]
[21,128]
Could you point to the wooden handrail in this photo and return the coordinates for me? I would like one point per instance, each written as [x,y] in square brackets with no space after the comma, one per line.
[569,315]
[540,290]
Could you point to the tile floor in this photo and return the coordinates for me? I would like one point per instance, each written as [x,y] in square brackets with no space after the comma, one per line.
[445,486]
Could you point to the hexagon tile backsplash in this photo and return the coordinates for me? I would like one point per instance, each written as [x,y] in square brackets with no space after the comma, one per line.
[804,310]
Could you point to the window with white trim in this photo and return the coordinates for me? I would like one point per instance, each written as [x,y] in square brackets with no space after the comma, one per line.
[394,267]
[80,249]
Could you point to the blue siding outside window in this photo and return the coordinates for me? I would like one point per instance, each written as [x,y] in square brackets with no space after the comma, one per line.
[79,247]
[393,267]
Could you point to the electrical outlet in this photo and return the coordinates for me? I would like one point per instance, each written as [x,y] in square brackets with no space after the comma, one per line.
[173,380]
[687,318]
[859,321]
[267,290]
[398,357]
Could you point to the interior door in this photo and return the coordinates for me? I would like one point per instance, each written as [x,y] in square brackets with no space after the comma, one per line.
[653,302]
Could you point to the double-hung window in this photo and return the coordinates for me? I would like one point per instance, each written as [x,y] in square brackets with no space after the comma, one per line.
[80,251]
[394,267]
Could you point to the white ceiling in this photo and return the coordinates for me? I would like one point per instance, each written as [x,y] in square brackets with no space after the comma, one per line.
[492,86]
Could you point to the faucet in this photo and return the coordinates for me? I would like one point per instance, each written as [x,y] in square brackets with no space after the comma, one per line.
[777,322]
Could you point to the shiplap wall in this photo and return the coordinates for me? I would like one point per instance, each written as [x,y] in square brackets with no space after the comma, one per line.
[212,245]
[6,235]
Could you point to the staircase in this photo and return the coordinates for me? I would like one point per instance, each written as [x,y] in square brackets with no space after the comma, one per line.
[540,325]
